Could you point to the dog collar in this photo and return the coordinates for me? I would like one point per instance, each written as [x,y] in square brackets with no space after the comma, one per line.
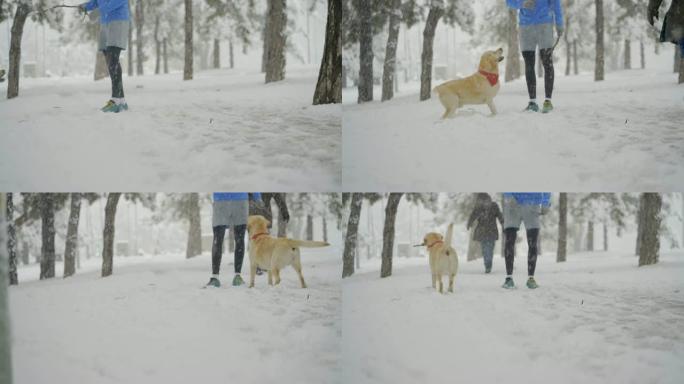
[493,78]
[435,243]
[259,235]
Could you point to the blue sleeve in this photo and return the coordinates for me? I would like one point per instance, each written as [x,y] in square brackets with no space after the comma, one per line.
[90,5]
[515,4]
[546,199]
[558,13]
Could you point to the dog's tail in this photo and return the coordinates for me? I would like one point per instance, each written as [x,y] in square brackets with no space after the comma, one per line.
[449,235]
[307,243]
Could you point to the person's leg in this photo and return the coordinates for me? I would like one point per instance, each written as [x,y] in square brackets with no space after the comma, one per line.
[217,249]
[530,76]
[487,253]
[547,62]
[116,73]
[239,232]
[509,249]
[532,237]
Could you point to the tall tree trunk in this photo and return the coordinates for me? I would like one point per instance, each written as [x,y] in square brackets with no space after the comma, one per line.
[390,67]
[265,37]
[681,67]
[568,56]
[605,236]
[561,252]
[282,225]
[628,54]
[325,229]
[139,23]
[590,236]
[365,14]
[599,65]
[277,21]
[5,341]
[513,70]
[194,247]
[388,234]
[217,54]
[47,251]
[157,46]
[575,58]
[329,85]
[642,54]
[309,227]
[130,51]
[187,67]
[436,12]
[230,53]
[649,250]
[166,56]
[11,240]
[351,237]
[17,32]
[640,225]
[108,234]
[71,246]
[677,59]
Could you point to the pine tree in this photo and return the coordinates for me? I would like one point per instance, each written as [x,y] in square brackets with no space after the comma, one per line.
[329,85]
[108,234]
[561,252]
[5,340]
[71,246]
[649,249]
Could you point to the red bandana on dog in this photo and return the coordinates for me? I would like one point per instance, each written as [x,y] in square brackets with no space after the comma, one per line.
[493,78]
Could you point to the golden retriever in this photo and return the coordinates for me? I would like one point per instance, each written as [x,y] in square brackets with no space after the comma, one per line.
[443,258]
[274,253]
[478,88]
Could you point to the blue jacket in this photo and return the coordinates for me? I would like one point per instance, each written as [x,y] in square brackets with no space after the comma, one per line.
[110,10]
[544,12]
[530,198]
[235,196]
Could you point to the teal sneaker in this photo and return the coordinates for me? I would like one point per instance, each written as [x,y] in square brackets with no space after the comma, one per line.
[237,281]
[123,106]
[110,107]
[532,107]
[508,284]
[214,282]
[547,107]
[531,284]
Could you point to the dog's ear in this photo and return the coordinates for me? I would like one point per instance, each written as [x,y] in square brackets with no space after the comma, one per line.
[500,50]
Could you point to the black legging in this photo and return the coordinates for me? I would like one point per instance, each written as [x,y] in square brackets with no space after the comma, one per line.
[530,76]
[217,247]
[114,66]
[509,251]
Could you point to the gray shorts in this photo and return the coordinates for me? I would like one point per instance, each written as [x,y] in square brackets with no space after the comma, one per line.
[539,35]
[114,34]
[230,213]
[514,214]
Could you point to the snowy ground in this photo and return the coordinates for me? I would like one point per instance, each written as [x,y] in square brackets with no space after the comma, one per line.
[223,130]
[595,319]
[621,134]
[151,323]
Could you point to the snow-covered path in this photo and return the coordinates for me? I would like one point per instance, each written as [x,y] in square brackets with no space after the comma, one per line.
[223,130]
[625,133]
[151,323]
[595,319]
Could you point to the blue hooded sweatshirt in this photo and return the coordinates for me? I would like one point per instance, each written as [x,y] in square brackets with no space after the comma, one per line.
[530,198]
[235,196]
[544,12]
[110,10]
